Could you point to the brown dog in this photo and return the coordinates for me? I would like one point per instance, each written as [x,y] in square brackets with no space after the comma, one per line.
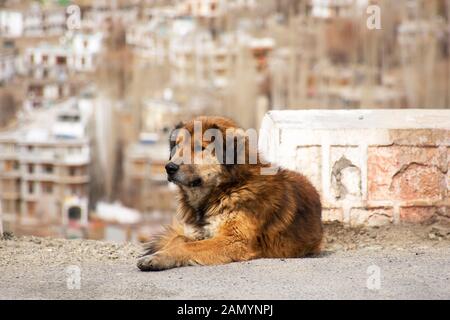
[231,212]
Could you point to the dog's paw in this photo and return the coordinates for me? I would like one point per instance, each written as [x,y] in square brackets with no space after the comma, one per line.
[156,262]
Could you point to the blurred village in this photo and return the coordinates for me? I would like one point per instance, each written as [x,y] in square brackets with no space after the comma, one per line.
[90,89]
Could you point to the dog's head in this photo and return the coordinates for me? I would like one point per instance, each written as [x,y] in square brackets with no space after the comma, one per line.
[205,150]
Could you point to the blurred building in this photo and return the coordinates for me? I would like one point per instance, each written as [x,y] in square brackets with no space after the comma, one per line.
[329,9]
[50,70]
[152,63]
[197,59]
[149,40]
[8,55]
[46,69]
[44,178]
[212,9]
[146,185]
[29,19]
[161,115]
[85,51]
[101,15]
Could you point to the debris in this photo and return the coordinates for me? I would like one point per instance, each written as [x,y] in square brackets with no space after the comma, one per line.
[7,236]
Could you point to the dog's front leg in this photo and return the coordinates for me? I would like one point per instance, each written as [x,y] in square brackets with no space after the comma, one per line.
[170,236]
[218,250]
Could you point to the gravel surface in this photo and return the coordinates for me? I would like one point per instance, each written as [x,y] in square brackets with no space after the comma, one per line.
[413,263]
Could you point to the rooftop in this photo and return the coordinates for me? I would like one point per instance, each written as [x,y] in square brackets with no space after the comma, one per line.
[36,127]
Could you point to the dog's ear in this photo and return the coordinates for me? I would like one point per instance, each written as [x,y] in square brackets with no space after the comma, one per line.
[173,133]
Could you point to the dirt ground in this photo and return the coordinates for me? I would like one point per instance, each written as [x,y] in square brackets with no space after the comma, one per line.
[338,237]
[415,264]
[35,250]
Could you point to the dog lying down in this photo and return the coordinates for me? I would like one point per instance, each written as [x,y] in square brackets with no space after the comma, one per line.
[232,210]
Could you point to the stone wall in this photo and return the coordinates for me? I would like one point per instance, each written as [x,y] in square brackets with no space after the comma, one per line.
[372,167]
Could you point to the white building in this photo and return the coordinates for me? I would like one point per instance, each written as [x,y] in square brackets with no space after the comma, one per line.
[85,49]
[47,70]
[211,9]
[145,179]
[11,23]
[46,61]
[336,8]
[78,54]
[49,67]
[44,168]
[203,8]
[32,21]
[149,39]
[160,115]
[7,64]
[100,14]
[54,21]
[197,58]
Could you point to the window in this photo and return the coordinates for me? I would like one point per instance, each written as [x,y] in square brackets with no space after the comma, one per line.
[48,168]
[48,188]
[8,206]
[72,171]
[74,191]
[30,187]
[30,168]
[7,166]
[31,207]
[74,213]
[61,60]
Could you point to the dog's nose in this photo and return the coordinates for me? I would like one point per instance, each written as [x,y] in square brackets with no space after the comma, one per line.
[172,167]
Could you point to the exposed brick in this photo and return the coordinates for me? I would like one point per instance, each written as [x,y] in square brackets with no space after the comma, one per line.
[406,165]
[345,173]
[371,216]
[332,214]
[417,214]
[418,182]
[405,173]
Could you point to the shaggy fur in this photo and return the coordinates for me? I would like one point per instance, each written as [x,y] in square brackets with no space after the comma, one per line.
[233,213]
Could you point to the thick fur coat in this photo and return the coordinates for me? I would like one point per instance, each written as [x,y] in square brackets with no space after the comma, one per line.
[232,212]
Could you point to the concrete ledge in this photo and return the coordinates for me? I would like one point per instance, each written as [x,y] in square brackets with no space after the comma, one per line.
[372,167]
